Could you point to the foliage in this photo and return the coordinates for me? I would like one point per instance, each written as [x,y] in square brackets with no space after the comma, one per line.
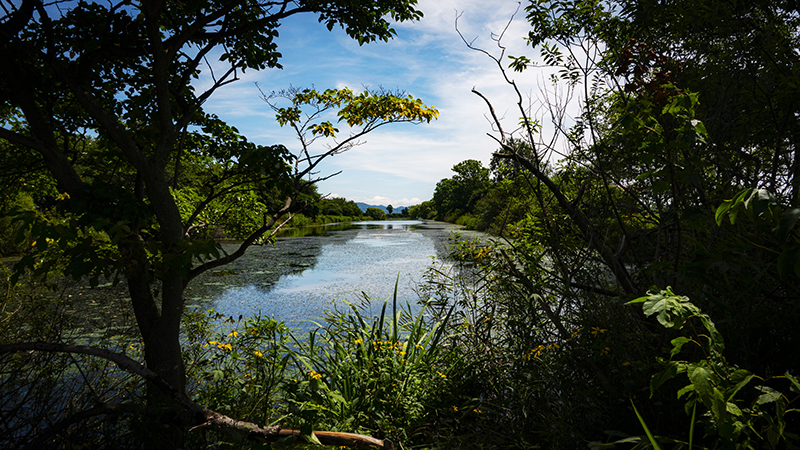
[375,213]
[380,376]
[454,196]
[594,207]
[424,210]
[239,366]
[736,413]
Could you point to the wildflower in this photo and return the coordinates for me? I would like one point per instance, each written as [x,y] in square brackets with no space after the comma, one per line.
[258,353]
[598,330]
[233,333]
[441,374]
[314,375]
[455,408]
[626,363]
[358,341]
[476,411]
[130,347]
[534,353]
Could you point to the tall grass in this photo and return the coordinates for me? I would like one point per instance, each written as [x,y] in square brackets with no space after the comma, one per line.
[376,375]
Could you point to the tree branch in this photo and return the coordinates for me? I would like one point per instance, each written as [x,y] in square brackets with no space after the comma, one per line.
[202,417]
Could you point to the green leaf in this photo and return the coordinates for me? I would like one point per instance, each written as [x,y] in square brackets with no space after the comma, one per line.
[668,307]
[769,395]
[705,382]
[795,387]
[733,409]
[677,344]
[685,389]
[661,377]
[307,434]
[740,377]
[650,436]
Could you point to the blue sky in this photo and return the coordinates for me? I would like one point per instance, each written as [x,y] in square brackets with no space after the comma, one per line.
[399,164]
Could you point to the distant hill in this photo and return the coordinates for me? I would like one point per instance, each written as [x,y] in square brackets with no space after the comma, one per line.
[396,209]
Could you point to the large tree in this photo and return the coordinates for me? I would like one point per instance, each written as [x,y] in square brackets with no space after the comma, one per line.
[121,74]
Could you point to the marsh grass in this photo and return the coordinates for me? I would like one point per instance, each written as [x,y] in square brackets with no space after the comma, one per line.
[377,375]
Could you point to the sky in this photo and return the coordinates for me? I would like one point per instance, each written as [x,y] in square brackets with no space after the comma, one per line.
[398,164]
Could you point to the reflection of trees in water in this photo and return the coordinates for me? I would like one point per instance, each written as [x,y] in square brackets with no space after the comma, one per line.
[262,266]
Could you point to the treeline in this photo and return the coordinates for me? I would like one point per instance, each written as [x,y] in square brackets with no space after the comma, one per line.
[486,199]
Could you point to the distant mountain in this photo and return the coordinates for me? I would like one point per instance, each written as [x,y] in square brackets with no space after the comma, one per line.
[396,209]
[364,207]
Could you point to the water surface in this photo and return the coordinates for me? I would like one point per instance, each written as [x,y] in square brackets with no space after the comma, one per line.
[299,278]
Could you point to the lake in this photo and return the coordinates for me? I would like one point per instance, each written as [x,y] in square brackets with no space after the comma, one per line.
[300,277]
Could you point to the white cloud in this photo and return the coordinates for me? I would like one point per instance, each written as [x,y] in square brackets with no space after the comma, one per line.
[399,163]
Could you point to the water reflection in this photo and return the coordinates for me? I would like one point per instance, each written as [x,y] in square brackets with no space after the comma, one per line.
[300,277]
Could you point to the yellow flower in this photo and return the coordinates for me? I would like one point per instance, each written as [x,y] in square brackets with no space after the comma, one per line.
[259,354]
[314,375]
[598,330]
[534,353]
[455,408]
[441,374]
[358,341]
[476,410]
[233,333]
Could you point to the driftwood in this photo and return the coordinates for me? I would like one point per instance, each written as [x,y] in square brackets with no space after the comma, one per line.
[202,416]
[350,440]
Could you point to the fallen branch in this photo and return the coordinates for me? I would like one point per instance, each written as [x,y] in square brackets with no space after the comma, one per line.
[202,416]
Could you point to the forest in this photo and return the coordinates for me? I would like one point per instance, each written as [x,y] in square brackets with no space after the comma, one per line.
[640,290]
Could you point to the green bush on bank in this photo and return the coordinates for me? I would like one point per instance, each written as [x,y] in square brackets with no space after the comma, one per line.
[300,220]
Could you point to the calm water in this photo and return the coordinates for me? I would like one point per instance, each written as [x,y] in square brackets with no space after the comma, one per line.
[299,278]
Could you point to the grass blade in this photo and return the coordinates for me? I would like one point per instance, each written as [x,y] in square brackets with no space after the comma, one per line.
[652,439]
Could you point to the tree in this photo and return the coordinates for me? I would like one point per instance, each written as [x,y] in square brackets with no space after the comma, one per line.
[130,87]
[631,202]
[461,192]
[390,208]
[375,213]
[424,210]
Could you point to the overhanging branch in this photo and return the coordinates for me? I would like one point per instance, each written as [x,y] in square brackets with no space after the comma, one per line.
[202,417]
